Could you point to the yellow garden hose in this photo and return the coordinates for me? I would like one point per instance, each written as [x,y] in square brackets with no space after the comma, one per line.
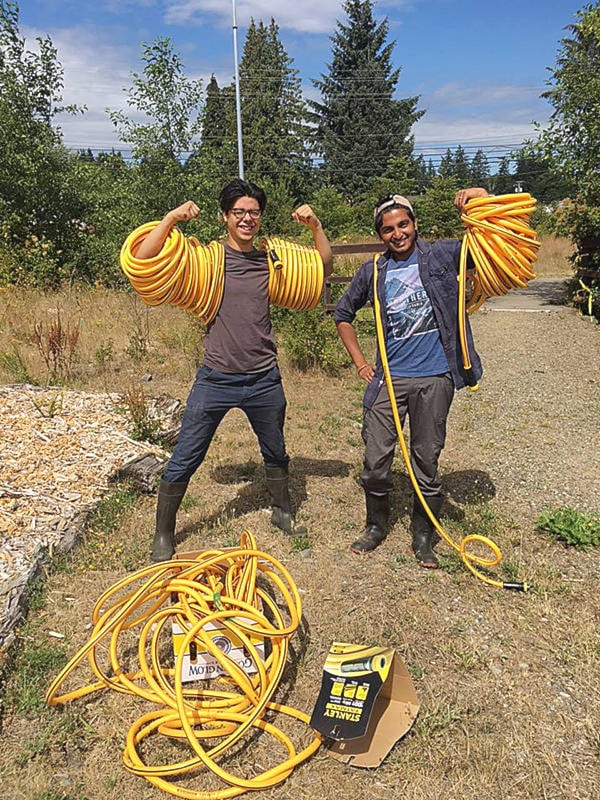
[503,248]
[497,227]
[185,273]
[470,560]
[248,593]
[296,274]
[191,275]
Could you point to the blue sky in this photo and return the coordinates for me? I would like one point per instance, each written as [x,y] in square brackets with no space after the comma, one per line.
[478,67]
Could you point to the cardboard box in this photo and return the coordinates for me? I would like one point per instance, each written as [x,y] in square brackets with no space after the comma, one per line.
[366,703]
[196,663]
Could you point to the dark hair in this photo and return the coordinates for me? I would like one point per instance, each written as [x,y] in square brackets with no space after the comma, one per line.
[239,188]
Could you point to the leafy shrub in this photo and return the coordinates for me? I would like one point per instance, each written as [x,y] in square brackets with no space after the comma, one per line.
[580,529]
[143,426]
[310,340]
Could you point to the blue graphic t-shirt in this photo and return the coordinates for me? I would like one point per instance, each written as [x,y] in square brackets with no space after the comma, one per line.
[414,347]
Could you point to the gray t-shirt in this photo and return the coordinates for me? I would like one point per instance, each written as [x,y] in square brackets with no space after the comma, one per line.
[241,338]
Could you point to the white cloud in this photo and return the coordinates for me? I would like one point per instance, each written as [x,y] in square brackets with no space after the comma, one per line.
[309,16]
[461,113]
[97,74]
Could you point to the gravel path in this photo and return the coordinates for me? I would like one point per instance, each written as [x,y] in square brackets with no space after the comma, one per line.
[533,425]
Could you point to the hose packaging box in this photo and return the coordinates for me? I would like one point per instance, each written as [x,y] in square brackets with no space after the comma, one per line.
[366,703]
[197,663]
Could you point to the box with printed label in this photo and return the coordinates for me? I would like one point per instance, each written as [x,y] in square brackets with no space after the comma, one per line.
[196,662]
[366,703]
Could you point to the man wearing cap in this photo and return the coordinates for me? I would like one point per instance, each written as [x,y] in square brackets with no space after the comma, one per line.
[417,289]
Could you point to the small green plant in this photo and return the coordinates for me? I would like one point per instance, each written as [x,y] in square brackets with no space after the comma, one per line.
[52,406]
[579,529]
[104,354]
[110,511]
[143,426]
[300,543]
[15,365]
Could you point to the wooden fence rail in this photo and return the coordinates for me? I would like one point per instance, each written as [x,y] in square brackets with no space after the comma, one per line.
[357,249]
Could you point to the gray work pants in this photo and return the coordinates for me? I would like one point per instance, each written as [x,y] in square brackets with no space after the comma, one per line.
[427,402]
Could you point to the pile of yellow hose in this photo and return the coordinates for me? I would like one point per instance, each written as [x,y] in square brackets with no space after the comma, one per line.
[295,274]
[503,249]
[191,275]
[250,594]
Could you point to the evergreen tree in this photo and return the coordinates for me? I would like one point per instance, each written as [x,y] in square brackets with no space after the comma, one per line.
[538,176]
[461,166]
[503,182]
[216,157]
[422,174]
[273,113]
[446,169]
[479,170]
[360,128]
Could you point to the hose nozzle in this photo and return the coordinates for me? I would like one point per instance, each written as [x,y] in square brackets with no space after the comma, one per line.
[275,260]
[517,587]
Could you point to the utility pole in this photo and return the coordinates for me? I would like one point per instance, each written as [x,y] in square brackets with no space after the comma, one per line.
[238,105]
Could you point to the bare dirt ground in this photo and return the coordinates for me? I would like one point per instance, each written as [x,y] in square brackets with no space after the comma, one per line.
[508,682]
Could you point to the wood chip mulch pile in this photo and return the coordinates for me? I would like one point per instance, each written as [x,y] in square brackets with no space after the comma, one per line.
[59,452]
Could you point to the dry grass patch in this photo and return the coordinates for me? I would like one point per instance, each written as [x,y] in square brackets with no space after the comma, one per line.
[508,683]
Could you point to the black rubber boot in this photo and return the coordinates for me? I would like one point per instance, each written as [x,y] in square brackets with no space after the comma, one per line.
[422,531]
[378,515]
[278,484]
[170,496]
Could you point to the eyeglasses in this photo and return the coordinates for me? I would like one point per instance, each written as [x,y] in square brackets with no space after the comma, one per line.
[240,213]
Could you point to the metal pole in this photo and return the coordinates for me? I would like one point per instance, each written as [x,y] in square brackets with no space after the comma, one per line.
[238,105]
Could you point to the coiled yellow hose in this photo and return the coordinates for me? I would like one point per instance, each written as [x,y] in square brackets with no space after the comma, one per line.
[191,275]
[185,273]
[503,248]
[296,274]
[238,588]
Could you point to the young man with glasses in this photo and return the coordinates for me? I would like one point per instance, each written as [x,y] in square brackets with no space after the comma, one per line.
[417,289]
[239,368]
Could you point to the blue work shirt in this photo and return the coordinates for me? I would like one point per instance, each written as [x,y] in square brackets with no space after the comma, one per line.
[438,267]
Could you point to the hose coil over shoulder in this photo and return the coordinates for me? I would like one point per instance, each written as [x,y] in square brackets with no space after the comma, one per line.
[191,275]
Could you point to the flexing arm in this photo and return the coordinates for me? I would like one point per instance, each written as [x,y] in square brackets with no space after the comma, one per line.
[464,195]
[153,242]
[348,336]
[306,216]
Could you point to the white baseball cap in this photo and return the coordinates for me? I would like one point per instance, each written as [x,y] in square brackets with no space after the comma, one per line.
[391,201]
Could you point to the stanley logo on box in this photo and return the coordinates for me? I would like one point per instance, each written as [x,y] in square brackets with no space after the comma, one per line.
[352,678]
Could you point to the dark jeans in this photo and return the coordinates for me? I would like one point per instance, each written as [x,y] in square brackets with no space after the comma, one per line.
[427,402]
[259,395]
